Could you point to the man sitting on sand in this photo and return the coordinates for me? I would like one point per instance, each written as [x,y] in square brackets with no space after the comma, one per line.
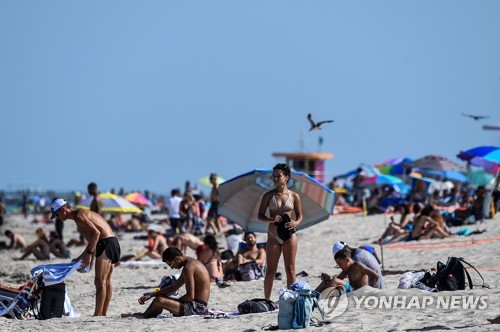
[250,254]
[194,276]
[358,273]
[16,240]
[361,256]
[102,244]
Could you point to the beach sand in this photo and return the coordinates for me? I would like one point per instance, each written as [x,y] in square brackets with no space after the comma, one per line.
[314,256]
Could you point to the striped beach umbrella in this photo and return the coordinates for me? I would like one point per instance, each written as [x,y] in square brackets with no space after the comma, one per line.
[241,196]
[435,162]
[111,203]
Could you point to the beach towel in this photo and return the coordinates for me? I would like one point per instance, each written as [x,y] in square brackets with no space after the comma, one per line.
[55,273]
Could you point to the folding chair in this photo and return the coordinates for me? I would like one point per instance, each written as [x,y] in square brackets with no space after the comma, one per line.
[22,305]
[25,304]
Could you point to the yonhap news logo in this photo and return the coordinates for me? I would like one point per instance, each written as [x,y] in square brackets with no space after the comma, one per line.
[334,303]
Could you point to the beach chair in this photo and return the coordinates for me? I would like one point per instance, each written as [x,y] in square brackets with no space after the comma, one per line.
[23,304]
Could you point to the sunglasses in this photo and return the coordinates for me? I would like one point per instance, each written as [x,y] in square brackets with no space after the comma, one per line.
[170,264]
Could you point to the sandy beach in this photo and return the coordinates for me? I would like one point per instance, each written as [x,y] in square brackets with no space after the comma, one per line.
[314,256]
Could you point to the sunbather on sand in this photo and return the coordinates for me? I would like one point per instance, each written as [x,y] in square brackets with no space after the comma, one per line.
[40,248]
[196,280]
[250,253]
[210,257]
[157,244]
[425,227]
[184,240]
[16,240]
[397,232]
[57,246]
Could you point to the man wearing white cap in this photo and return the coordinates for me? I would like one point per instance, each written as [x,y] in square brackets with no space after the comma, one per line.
[361,256]
[102,244]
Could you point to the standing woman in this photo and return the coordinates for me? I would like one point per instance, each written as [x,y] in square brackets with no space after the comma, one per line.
[281,235]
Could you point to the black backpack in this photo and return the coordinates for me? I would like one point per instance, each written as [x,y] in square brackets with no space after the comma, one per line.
[255,306]
[451,276]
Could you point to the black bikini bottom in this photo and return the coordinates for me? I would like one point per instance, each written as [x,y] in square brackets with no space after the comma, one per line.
[283,232]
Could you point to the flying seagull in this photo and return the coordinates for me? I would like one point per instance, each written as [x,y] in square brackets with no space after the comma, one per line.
[475,117]
[316,125]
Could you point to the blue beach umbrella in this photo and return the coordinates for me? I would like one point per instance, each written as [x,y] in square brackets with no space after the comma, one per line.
[486,157]
[240,198]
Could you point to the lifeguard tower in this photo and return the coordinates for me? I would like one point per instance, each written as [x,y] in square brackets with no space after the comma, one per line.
[312,164]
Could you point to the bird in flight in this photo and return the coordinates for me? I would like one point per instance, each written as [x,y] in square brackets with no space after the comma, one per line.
[475,117]
[316,125]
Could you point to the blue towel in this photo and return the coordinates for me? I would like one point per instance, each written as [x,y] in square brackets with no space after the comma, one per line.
[55,273]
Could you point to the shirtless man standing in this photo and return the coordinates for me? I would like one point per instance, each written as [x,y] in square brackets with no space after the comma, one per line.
[97,202]
[194,276]
[102,244]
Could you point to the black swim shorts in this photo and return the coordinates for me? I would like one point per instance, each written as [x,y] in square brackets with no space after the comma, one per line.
[112,247]
[213,212]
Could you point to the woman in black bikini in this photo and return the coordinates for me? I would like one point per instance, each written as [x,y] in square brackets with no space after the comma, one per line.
[281,236]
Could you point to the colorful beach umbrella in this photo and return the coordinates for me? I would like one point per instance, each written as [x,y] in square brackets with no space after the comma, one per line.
[111,203]
[394,166]
[486,157]
[382,179]
[435,162]
[241,196]
[138,199]
[206,181]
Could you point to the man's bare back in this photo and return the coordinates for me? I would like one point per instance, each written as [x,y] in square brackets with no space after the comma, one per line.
[190,240]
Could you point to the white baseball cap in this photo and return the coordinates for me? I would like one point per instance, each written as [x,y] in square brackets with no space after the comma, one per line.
[337,246]
[56,205]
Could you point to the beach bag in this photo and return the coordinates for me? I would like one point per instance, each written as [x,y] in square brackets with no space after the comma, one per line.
[451,276]
[250,271]
[52,302]
[296,308]
[255,306]
[166,281]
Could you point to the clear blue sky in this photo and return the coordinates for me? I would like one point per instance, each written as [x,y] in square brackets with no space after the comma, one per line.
[148,94]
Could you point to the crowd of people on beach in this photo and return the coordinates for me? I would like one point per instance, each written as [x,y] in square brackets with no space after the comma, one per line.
[193,221]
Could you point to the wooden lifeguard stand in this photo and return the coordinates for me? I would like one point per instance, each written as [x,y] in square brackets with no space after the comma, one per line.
[312,164]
